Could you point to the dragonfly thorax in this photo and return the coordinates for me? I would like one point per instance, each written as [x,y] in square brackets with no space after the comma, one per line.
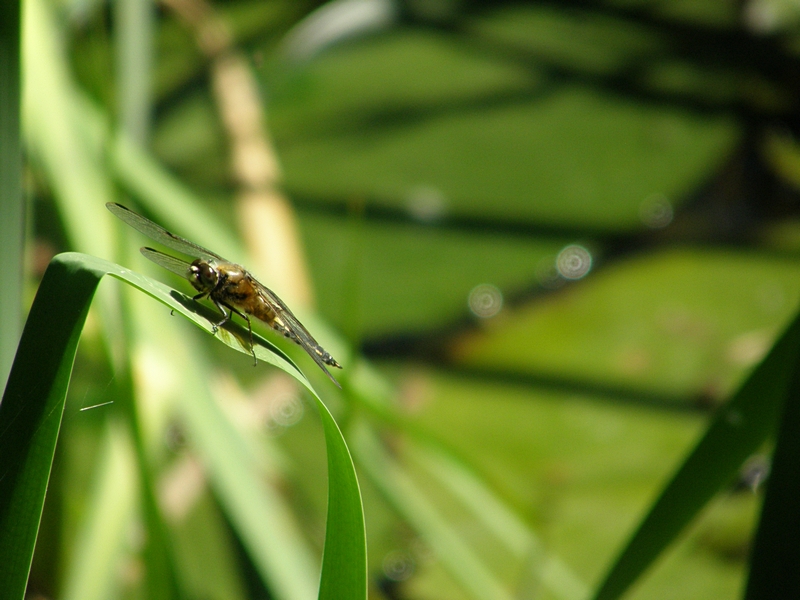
[203,275]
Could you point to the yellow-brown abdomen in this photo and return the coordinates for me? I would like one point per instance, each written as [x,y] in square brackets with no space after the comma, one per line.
[237,289]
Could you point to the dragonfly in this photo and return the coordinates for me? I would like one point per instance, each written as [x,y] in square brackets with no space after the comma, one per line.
[228,285]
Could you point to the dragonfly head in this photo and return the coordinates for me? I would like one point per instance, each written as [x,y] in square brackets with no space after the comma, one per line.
[203,275]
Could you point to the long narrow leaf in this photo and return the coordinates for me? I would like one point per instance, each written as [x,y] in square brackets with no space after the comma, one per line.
[91,574]
[737,431]
[344,563]
[30,418]
[30,414]
[12,207]
[133,28]
[487,508]
[75,174]
[776,552]
[411,502]
[258,513]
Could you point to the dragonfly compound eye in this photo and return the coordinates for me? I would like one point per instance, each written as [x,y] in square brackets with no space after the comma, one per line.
[203,274]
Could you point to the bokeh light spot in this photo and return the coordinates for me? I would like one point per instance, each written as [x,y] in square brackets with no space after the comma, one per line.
[426,203]
[286,410]
[398,565]
[574,262]
[485,300]
[655,211]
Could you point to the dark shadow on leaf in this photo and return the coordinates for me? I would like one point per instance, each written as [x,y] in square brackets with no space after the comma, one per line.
[231,328]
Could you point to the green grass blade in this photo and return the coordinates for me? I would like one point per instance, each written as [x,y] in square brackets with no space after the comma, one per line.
[487,508]
[30,414]
[92,572]
[260,517]
[12,207]
[413,504]
[776,551]
[344,562]
[133,28]
[30,417]
[736,432]
[345,539]
[263,521]
[56,136]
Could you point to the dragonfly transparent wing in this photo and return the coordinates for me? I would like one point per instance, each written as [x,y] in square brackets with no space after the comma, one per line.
[170,263]
[161,235]
[295,330]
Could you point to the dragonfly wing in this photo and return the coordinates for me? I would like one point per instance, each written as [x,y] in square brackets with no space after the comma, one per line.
[321,363]
[170,263]
[294,330]
[159,234]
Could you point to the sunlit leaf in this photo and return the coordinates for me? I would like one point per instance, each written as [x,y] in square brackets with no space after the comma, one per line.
[30,418]
[738,430]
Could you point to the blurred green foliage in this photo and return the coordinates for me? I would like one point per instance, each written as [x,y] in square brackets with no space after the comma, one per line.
[456,144]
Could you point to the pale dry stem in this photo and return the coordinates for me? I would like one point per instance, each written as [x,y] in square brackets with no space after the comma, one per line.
[267,219]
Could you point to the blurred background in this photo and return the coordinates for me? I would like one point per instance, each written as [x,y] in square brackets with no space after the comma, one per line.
[545,239]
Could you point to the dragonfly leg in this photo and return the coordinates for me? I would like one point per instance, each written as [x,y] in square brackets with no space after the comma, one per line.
[252,346]
[226,316]
[249,329]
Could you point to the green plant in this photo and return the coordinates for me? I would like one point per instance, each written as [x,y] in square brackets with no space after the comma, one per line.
[33,403]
